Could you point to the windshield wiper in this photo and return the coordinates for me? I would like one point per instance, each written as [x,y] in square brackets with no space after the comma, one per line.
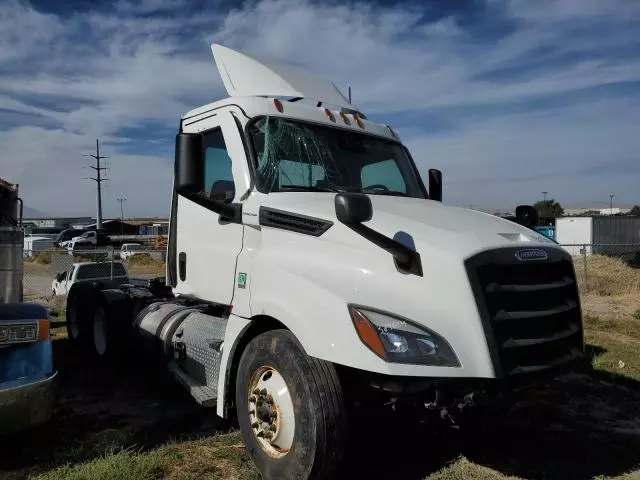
[306,188]
[373,191]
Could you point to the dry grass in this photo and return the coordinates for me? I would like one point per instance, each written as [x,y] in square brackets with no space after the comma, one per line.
[463,469]
[145,264]
[607,276]
[218,457]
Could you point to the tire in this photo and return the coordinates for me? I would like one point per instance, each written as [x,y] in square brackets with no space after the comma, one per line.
[319,411]
[79,312]
[82,303]
[109,326]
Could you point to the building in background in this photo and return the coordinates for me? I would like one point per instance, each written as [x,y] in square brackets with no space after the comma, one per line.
[113,227]
[57,222]
[589,211]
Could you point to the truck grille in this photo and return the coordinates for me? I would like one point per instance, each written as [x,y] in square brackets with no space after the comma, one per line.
[530,309]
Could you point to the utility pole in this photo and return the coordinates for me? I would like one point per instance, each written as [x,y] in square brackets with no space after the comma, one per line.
[122,215]
[545,207]
[98,179]
[611,207]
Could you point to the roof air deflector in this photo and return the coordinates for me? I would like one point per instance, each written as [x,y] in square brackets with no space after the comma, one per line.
[245,76]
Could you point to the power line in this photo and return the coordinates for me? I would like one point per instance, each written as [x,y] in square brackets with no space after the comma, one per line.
[98,179]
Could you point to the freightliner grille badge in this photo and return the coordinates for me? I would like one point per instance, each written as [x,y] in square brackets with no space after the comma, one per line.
[531,254]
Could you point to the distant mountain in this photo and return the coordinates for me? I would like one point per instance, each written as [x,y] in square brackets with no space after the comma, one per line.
[33,213]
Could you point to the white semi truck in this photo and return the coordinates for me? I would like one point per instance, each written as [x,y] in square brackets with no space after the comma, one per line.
[308,265]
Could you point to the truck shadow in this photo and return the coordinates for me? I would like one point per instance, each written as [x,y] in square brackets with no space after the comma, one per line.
[104,407]
[577,426]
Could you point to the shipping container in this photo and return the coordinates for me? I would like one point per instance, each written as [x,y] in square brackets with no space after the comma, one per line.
[616,236]
[574,234]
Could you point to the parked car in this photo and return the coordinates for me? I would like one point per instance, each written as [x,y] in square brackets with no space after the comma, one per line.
[86,272]
[130,249]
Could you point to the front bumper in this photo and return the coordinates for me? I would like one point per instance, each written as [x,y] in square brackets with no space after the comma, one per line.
[27,405]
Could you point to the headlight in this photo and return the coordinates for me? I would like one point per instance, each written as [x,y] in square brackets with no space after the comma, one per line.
[24,331]
[397,340]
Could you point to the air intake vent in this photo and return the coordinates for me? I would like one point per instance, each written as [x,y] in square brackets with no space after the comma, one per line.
[294,222]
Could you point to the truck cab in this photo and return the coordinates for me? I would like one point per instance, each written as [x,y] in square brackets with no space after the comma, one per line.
[27,376]
[309,264]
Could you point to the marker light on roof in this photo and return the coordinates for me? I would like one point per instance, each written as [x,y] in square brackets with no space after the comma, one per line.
[329,114]
[360,123]
[278,105]
[345,119]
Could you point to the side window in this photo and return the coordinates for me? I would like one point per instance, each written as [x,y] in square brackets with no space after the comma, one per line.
[385,174]
[218,178]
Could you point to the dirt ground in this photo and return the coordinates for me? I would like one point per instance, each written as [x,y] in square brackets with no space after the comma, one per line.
[582,425]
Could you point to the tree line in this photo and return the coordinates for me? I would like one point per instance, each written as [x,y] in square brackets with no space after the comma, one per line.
[552,209]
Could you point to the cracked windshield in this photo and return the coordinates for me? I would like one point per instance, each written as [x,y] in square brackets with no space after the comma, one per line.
[297,156]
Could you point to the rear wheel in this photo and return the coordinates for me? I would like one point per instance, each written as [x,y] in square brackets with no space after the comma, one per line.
[76,320]
[290,408]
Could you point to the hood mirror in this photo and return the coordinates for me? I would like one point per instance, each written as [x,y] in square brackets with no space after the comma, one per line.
[353,208]
[526,216]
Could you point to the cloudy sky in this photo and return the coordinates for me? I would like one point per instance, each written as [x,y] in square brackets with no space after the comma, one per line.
[508,97]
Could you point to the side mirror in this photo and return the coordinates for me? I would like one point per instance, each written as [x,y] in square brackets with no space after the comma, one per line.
[189,162]
[526,215]
[435,184]
[353,208]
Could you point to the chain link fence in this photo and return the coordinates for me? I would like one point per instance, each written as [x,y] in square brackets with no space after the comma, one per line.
[601,269]
[49,273]
[606,268]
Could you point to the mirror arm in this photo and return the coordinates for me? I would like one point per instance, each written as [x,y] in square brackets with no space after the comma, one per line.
[405,258]
[231,212]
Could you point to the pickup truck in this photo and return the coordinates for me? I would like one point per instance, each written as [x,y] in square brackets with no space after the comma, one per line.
[88,271]
[130,249]
[88,240]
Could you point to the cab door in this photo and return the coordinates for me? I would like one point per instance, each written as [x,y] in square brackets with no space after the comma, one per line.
[206,246]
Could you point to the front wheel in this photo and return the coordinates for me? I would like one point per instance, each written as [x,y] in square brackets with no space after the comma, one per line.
[290,408]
